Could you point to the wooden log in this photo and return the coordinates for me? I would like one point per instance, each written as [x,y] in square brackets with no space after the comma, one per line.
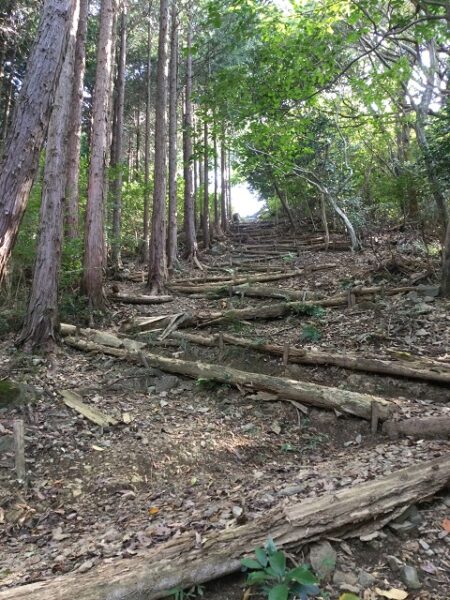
[127,299]
[218,291]
[420,369]
[187,560]
[105,338]
[75,401]
[431,427]
[19,449]
[240,279]
[351,403]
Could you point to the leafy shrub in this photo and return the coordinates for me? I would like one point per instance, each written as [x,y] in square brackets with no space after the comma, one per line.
[270,573]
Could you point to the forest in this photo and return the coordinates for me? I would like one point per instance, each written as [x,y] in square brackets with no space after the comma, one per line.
[224,299]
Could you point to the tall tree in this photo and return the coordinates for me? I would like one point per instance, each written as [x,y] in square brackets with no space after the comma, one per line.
[41,320]
[205,212]
[188,160]
[117,143]
[30,122]
[157,272]
[74,137]
[148,89]
[223,185]
[92,282]
[172,247]
[445,284]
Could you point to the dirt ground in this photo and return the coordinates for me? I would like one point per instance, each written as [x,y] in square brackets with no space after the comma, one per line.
[196,456]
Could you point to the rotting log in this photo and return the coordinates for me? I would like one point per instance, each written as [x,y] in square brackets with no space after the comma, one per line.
[190,559]
[128,299]
[424,370]
[243,289]
[428,427]
[264,311]
[251,277]
[343,401]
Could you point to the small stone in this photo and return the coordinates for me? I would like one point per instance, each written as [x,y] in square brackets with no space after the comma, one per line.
[248,427]
[342,578]
[446,500]
[291,490]
[402,528]
[86,566]
[322,557]
[394,563]
[166,383]
[411,578]
[365,579]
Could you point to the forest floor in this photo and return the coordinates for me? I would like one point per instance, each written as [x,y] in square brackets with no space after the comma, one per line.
[192,455]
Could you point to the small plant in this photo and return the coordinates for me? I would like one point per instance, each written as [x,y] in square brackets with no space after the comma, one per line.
[310,333]
[270,573]
[308,310]
[179,593]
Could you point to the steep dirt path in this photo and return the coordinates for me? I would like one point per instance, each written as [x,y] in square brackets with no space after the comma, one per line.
[196,456]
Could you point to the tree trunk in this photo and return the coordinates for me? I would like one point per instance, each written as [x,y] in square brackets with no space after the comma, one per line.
[92,283]
[435,185]
[172,244]
[41,320]
[74,138]
[432,427]
[148,83]
[217,228]
[189,194]
[21,153]
[117,145]
[205,223]
[282,198]
[223,185]
[184,562]
[323,210]
[230,204]
[137,157]
[445,284]
[157,274]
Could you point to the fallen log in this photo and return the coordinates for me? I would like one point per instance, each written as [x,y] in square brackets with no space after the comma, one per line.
[417,369]
[103,338]
[240,279]
[75,401]
[187,560]
[351,403]
[128,299]
[431,427]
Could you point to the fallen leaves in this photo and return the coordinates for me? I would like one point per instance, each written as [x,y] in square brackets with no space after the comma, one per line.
[446,525]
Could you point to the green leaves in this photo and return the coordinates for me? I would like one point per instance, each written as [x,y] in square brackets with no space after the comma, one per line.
[302,575]
[278,563]
[279,592]
[270,573]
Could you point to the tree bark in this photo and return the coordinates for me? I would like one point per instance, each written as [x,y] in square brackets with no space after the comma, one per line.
[418,370]
[74,137]
[172,242]
[205,224]
[41,321]
[445,282]
[117,145]
[189,193]
[148,89]
[26,136]
[185,562]
[157,273]
[223,185]
[432,427]
[92,282]
[350,403]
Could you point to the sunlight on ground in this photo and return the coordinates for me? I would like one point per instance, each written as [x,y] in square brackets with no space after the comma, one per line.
[245,201]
